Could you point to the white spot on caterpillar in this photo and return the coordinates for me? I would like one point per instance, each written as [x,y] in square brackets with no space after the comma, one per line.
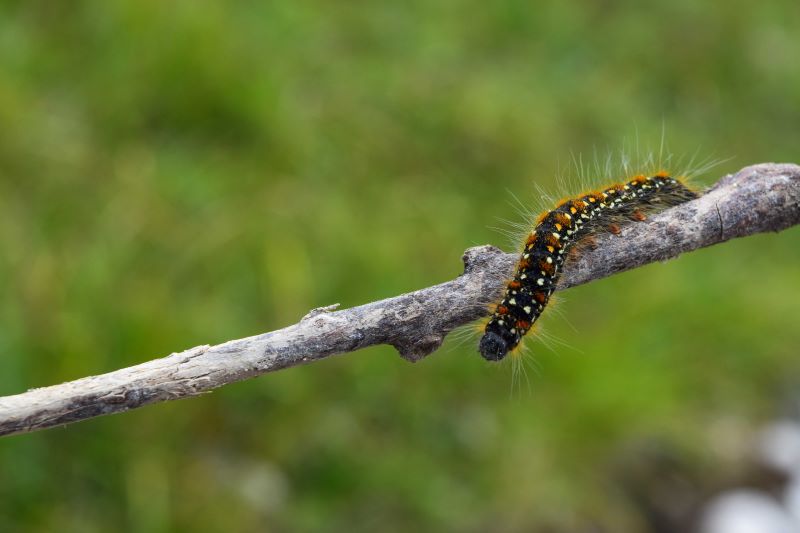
[512,301]
[549,260]
[527,309]
[540,282]
[556,235]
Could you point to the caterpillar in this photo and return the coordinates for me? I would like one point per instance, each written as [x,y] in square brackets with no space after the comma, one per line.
[556,231]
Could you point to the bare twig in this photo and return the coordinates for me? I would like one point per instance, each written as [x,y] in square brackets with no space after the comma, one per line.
[756,199]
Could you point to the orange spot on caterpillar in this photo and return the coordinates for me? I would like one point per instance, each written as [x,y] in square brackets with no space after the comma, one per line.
[550,249]
[561,220]
[662,174]
[514,285]
[639,179]
[547,268]
[502,309]
[523,324]
[540,297]
[531,238]
[523,264]
[552,242]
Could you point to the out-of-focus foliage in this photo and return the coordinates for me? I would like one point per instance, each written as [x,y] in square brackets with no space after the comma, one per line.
[182,173]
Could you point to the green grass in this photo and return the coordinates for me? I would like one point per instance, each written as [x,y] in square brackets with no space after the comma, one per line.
[174,174]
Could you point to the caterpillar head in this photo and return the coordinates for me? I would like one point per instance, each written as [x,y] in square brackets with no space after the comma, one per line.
[493,347]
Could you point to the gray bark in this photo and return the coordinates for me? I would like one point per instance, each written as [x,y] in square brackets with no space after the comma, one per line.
[756,199]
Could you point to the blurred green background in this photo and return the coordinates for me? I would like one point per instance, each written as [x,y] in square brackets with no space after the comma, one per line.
[182,173]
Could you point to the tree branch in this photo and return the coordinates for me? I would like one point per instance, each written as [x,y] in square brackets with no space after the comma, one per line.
[757,199]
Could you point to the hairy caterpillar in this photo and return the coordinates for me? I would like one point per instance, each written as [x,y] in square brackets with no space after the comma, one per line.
[556,231]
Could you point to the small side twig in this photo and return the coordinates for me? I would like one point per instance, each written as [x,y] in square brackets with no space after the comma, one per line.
[756,199]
